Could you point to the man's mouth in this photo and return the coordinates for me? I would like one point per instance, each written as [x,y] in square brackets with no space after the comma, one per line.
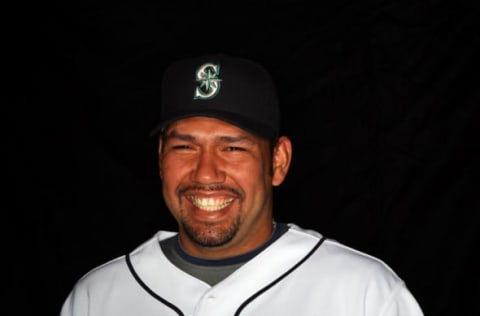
[210,204]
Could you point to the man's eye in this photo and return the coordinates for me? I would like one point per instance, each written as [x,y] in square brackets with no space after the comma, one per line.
[180,147]
[235,148]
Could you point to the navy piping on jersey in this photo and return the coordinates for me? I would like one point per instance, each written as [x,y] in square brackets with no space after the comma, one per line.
[266,288]
[149,291]
[244,304]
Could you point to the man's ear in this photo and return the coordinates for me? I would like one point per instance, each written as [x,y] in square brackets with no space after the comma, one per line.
[282,157]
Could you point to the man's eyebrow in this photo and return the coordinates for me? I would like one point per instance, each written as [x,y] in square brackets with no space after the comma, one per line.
[234,139]
[177,135]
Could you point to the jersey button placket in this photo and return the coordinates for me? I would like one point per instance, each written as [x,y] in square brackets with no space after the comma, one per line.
[209,305]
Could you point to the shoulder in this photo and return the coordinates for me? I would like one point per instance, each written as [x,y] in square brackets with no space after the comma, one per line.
[116,268]
[347,274]
[344,261]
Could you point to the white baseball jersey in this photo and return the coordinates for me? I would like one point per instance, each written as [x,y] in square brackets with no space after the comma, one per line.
[300,274]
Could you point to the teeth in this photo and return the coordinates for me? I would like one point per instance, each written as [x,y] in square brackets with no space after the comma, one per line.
[210,204]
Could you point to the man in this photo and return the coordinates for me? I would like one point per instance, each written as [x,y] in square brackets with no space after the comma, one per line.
[220,155]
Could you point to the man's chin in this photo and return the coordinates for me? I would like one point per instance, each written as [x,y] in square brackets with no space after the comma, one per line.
[210,235]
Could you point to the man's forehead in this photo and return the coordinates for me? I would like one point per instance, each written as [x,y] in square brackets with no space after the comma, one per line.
[196,128]
[205,124]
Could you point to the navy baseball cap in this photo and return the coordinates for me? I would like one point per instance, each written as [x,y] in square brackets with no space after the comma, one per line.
[234,89]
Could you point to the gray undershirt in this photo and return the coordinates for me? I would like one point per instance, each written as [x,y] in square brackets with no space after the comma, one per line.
[211,271]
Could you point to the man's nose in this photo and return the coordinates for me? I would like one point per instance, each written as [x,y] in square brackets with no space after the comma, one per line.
[208,169]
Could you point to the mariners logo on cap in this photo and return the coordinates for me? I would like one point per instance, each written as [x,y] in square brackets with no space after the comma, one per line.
[208,81]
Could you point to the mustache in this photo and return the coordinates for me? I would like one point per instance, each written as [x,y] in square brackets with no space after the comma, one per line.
[213,187]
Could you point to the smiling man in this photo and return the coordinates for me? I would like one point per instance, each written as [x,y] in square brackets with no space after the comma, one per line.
[218,185]
[220,156]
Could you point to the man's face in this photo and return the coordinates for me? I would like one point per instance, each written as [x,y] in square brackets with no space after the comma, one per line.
[217,183]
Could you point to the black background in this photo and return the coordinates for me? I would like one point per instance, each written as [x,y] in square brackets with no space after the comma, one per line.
[380,98]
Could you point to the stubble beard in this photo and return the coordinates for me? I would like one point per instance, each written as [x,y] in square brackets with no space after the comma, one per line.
[208,234]
[211,235]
